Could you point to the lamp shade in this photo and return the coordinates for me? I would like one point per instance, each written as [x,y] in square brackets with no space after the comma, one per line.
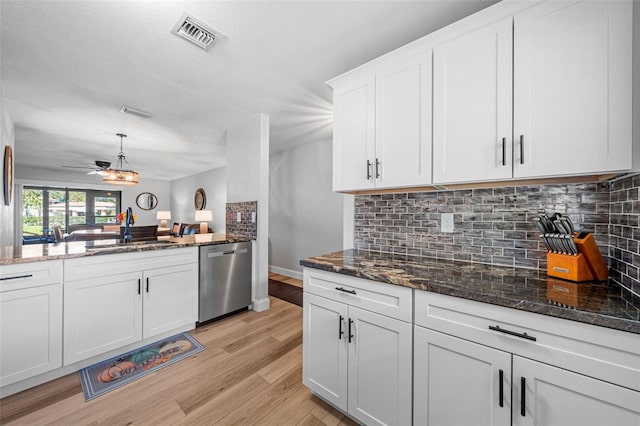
[203,216]
[163,215]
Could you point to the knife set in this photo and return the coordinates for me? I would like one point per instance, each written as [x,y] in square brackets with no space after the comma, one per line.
[571,256]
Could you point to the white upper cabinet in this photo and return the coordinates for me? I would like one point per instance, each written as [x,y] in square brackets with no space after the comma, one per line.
[382,124]
[571,101]
[572,88]
[472,106]
[353,134]
[523,89]
[403,122]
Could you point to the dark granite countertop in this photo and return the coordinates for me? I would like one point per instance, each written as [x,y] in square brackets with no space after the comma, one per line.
[39,252]
[524,289]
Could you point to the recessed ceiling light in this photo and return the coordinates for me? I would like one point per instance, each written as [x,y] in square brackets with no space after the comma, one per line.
[137,112]
[196,31]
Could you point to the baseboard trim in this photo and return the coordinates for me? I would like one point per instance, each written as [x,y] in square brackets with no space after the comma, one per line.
[261,305]
[287,272]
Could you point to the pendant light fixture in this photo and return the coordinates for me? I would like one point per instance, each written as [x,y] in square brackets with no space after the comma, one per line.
[118,175]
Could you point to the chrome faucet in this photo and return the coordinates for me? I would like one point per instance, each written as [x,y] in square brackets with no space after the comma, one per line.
[128,221]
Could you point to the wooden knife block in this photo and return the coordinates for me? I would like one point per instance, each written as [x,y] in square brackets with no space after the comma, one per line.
[572,268]
[588,247]
[588,265]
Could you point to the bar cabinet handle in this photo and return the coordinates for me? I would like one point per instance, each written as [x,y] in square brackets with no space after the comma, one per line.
[523,393]
[501,387]
[345,290]
[511,333]
[139,285]
[17,277]
[521,149]
[340,331]
[377,169]
[147,284]
[504,151]
[350,334]
[368,170]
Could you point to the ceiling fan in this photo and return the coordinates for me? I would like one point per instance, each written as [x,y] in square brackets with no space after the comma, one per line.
[98,168]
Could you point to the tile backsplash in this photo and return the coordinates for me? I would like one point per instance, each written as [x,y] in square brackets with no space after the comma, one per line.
[246,227]
[491,225]
[624,237]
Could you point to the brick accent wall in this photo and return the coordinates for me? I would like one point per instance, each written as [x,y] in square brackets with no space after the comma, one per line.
[245,227]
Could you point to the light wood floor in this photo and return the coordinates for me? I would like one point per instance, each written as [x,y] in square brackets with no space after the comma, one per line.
[285,279]
[249,373]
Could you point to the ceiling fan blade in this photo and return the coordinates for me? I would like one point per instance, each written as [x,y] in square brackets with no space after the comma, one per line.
[79,167]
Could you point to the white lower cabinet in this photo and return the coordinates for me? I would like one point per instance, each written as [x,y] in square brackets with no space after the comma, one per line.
[30,332]
[463,382]
[457,382]
[325,349]
[356,359]
[170,299]
[101,314]
[112,301]
[554,396]
[379,368]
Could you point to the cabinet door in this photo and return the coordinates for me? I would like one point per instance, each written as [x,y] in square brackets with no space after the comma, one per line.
[325,349]
[353,134]
[170,298]
[572,88]
[30,332]
[101,314]
[557,397]
[472,106]
[403,122]
[457,382]
[379,368]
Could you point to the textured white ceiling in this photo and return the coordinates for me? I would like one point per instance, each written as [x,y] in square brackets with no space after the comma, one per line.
[68,66]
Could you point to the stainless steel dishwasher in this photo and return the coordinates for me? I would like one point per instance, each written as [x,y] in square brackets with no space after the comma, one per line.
[225,279]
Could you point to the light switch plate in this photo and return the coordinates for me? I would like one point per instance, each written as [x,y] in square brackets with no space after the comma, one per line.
[239,217]
[446,222]
[253,217]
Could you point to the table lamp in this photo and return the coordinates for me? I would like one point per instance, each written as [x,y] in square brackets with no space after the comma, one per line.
[204,216]
[163,216]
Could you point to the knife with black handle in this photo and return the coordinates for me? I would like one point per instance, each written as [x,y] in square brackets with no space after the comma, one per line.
[569,224]
[572,245]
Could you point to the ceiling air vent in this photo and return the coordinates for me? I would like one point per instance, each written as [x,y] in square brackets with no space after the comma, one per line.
[197,32]
[137,112]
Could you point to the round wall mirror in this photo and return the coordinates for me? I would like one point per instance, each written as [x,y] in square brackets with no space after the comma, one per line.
[147,201]
[200,199]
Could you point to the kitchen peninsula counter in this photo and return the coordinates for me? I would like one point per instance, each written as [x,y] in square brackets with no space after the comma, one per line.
[528,290]
[67,250]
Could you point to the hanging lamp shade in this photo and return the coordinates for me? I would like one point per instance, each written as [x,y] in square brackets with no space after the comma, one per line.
[119,175]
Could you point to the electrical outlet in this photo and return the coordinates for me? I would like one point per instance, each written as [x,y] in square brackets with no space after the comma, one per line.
[239,217]
[253,217]
[446,222]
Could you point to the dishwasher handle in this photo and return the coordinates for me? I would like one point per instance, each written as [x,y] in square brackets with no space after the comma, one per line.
[226,252]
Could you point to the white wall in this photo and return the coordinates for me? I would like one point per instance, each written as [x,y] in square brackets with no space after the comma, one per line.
[636,87]
[305,215]
[7,135]
[214,183]
[248,180]
[159,188]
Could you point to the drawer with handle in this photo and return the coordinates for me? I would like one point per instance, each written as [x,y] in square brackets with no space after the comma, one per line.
[599,352]
[32,274]
[386,299]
